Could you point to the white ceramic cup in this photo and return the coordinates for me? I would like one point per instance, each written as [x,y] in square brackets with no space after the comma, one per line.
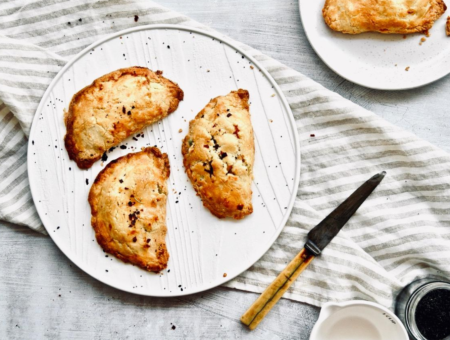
[357,320]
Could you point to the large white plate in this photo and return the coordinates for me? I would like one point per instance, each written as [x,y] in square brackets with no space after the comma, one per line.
[202,248]
[376,60]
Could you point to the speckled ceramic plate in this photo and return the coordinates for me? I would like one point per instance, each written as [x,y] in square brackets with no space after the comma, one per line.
[204,251]
[378,61]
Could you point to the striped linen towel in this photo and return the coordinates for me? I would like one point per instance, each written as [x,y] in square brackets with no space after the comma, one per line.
[401,233]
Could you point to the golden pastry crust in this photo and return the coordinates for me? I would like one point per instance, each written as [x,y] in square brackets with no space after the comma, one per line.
[128,207]
[219,153]
[114,107]
[383,16]
[447,27]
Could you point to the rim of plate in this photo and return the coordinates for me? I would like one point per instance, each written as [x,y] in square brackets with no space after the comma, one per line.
[283,99]
[323,57]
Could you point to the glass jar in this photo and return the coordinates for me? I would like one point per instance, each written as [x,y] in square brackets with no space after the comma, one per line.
[408,301]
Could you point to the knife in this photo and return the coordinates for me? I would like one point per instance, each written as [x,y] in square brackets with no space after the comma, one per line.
[318,238]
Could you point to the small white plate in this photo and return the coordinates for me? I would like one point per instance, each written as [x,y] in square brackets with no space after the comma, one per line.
[204,251]
[378,61]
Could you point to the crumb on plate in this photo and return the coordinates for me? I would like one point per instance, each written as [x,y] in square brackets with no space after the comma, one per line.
[447,26]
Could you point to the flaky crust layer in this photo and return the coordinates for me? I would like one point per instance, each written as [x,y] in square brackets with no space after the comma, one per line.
[383,16]
[219,153]
[114,107]
[128,207]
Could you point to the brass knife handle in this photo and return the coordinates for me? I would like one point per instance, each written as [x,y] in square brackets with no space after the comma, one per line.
[259,309]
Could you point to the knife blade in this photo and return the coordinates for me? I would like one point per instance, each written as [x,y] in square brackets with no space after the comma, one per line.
[318,238]
[322,234]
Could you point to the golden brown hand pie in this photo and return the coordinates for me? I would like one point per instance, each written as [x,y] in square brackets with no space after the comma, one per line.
[218,154]
[128,207]
[384,16]
[114,107]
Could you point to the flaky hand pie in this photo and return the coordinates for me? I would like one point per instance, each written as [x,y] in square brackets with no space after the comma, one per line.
[128,207]
[114,107]
[218,154]
[383,16]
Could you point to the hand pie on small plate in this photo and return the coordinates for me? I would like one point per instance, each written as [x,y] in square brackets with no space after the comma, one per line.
[383,16]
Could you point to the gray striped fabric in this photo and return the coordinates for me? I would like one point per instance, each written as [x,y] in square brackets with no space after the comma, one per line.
[401,233]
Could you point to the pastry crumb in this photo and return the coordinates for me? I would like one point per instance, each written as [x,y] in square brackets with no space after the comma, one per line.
[395,65]
[253,67]
[447,27]
[207,71]
[224,274]
[404,36]
[273,95]
[180,130]
[407,68]
[271,120]
[427,34]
